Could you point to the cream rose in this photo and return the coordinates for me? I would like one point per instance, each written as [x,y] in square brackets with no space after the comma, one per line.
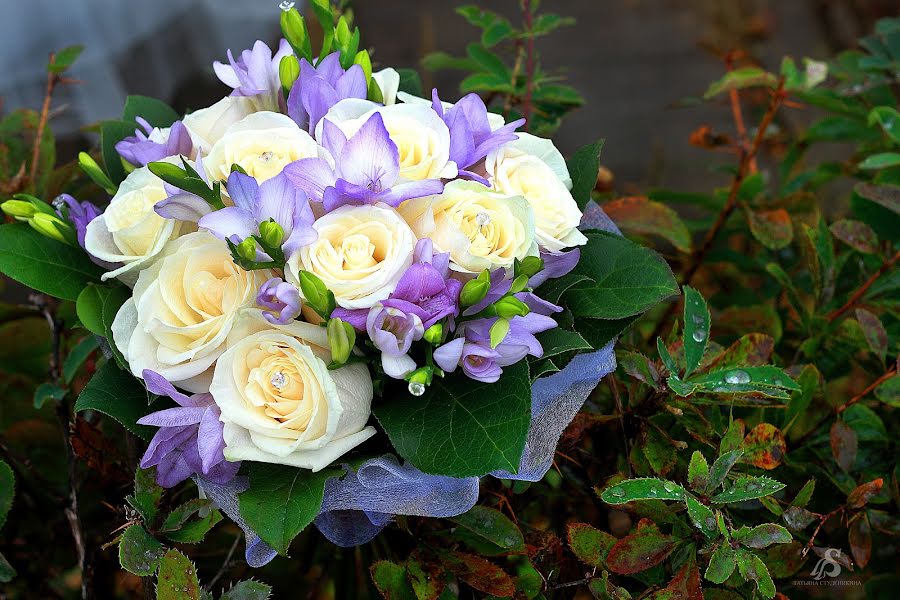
[129,231]
[262,144]
[206,126]
[182,310]
[532,167]
[360,254]
[280,403]
[480,228]
[421,136]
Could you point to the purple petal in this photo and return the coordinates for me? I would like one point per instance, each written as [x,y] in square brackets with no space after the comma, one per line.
[243,190]
[370,158]
[229,222]
[556,264]
[355,316]
[173,417]
[183,207]
[333,139]
[412,189]
[159,385]
[312,175]
[447,356]
[209,439]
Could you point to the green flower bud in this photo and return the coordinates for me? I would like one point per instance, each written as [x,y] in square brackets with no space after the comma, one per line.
[474,292]
[434,334]
[419,380]
[342,32]
[247,249]
[52,227]
[510,307]
[529,266]
[97,175]
[294,30]
[20,209]
[498,331]
[288,72]
[317,296]
[519,284]
[362,59]
[272,234]
[341,338]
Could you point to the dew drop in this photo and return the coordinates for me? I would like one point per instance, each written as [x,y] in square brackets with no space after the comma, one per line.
[416,388]
[669,486]
[286,5]
[482,219]
[59,202]
[737,377]
[278,380]
[617,492]
[699,335]
[653,491]
[697,319]
[752,487]
[778,382]
[710,523]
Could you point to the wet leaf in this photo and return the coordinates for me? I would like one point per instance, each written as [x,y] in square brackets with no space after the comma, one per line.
[390,580]
[722,466]
[638,214]
[805,494]
[751,350]
[860,496]
[887,196]
[855,234]
[648,488]
[752,568]
[425,577]
[798,518]
[889,391]
[177,579]
[492,525]
[843,445]
[684,586]
[762,536]
[641,550]
[748,488]
[696,329]
[860,538]
[772,228]
[698,471]
[139,552]
[701,516]
[764,446]
[638,366]
[589,544]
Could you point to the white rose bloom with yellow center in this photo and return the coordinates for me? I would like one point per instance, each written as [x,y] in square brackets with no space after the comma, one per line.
[262,144]
[183,309]
[206,126]
[360,254]
[479,228]
[532,167]
[280,403]
[129,231]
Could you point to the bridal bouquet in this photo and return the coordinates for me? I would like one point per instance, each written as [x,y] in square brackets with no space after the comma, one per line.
[328,299]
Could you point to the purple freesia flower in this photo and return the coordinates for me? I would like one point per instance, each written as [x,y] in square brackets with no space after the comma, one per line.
[367,169]
[393,331]
[79,213]
[189,439]
[319,88]
[255,71]
[556,264]
[281,301]
[471,136]
[275,199]
[152,144]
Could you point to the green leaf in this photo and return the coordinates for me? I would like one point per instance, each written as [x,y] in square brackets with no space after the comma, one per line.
[147,494]
[111,133]
[641,550]
[558,341]
[41,263]
[485,82]
[177,579]
[96,308]
[139,552]
[48,391]
[721,564]
[390,580]
[63,59]
[281,501]
[772,228]
[638,214]
[492,525]
[696,329]
[721,467]
[583,168]
[701,516]
[194,531]
[889,120]
[647,488]
[589,544]
[889,391]
[805,494]
[638,366]
[623,279]
[489,62]
[880,161]
[698,471]
[117,394]
[7,491]
[741,78]
[666,357]
[748,488]
[410,82]
[156,112]
[762,536]
[77,356]
[248,590]
[488,423]
[765,380]
[7,573]
[752,568]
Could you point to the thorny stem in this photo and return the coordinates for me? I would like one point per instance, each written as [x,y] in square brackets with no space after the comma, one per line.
[858,294]
[748,155]
[52,80]
[528,18]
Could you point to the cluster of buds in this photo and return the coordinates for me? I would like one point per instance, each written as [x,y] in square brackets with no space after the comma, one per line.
[42,217]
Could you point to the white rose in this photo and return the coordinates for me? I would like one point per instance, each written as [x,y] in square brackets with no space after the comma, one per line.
[388,81]
[421,136]
[480,228]
[129,231]
[262,144]
[360,255]
[206,126]
[532,167]
[280,403]
[183,309]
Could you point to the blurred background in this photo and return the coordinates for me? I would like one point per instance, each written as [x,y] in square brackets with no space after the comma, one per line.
[640,65]
[633,60]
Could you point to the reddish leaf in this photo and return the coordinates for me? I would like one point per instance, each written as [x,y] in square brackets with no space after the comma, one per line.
[764,446]
[863,493]
[752,350]
[772,228]
[425,577]
[98,451]
[855,234]
[860,538]
[638,214]
[684,586]
[843,445]
[703,137]
[641,550]
[479,573]
[876,335]
[589,544]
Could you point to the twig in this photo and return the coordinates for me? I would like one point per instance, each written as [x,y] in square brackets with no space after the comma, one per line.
[225,562]
[528,18]
[864,288]
[747,157]
[620,412]
[52,80]
[822,520]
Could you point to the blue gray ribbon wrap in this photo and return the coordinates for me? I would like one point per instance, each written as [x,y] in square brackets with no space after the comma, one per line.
[357,506]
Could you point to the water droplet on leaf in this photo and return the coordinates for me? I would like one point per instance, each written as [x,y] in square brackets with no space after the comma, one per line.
[737,377]
[699,335]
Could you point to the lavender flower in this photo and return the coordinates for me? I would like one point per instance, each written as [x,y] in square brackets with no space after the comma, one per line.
[556,264]
[367,169]
[153,144]
[79,213]
[255,72]
[281,301]
[189,439]
[275,199]
[319,88]
[393,331]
